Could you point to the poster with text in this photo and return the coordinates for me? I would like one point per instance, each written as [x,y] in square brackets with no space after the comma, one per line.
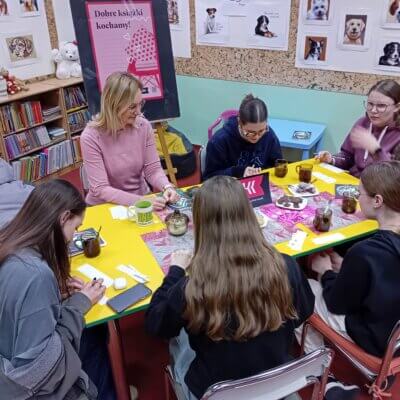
[267,25]
[235,8]
[123,38]
[211,24]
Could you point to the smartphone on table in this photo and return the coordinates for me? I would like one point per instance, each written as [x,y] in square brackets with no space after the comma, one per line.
[131,296]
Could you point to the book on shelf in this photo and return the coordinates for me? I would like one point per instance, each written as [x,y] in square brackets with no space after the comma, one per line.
[56,132]
[78,120]
[76,148]
[17,115]
[48,161]
[51,112]
[75,97]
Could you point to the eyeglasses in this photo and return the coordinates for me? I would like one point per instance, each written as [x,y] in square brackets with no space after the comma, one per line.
[380,107]
[135,106]
[357,194]
[252,134]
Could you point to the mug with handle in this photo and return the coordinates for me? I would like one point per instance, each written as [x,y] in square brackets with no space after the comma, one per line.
[89,243]
[141,212]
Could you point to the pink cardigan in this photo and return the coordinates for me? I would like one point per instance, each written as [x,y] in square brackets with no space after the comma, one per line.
[118,168]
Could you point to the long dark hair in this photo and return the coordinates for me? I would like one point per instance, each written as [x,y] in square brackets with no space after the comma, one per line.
[238,286]
[37,225]
[252,110]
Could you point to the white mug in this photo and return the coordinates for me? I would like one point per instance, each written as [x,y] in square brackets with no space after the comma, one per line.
[141,212]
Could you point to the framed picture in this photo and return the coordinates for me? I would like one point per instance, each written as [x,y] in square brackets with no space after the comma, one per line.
[315,49]
[317,12]
[388,54]
[354,30]
[29,8]
[20,49]
[391,14]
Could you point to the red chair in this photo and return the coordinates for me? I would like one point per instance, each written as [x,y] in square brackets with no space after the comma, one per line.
[375,369]
[222,118]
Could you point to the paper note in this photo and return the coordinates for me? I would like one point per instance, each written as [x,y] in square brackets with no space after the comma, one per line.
[297,240]
[91,272]
[331,168]
[324,177]
[103,301]
[133,273]
[334,237]
[119,212]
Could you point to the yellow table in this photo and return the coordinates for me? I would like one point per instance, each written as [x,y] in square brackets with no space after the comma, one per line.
[125,246]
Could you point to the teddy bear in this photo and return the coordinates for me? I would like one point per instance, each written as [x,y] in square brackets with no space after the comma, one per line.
[67,60]
[14,85]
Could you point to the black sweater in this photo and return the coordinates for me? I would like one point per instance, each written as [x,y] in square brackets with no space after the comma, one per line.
[223,360]
[367,290]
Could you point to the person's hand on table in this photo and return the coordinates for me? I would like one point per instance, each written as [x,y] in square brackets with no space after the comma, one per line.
[158,202]
[93,290]
[170,195]
[181,258]
[324,156]
[362,139]
[74,284]
[321,263]
[336,260]
[249,171]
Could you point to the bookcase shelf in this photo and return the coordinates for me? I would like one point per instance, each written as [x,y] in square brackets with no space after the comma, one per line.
[57,100]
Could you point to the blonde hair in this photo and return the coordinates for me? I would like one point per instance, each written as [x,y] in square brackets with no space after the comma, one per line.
[238,286]
[118,93]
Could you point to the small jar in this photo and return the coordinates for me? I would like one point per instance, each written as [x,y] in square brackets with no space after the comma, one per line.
[177,223]
[349,203]
[323,219]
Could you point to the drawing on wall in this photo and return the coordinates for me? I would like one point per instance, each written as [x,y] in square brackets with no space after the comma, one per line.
[315,49]
[388,54]
[267,25]
[211,24]
[317,12]
[174,14]
[235,8]
[20,49]
[354,31]
[391,14]
[29,8]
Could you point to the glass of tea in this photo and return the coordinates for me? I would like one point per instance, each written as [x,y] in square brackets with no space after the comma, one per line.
[281,168]
[323,219]
[349,203]
[305,172]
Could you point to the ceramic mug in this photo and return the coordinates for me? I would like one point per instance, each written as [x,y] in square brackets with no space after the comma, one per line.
[141,212]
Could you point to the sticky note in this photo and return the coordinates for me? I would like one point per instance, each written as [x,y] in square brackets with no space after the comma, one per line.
[334,237]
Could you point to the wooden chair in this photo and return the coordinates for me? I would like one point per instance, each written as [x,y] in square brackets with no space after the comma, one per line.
[277,383]
[375,369]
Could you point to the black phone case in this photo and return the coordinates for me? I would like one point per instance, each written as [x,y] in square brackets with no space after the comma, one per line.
[131,296]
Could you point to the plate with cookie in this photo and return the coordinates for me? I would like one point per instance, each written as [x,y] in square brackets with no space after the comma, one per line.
[291,202]
[303,189]
[262,219]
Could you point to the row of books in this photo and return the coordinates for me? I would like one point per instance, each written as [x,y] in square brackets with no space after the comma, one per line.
[26,141]
[76,148]
[78,120]
[75,97]
[51,112]
[50,160]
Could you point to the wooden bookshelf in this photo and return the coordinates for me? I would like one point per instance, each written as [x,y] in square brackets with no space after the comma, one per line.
[49,93]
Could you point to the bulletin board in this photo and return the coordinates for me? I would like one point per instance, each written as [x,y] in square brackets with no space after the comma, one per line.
[353,36]
[269,67]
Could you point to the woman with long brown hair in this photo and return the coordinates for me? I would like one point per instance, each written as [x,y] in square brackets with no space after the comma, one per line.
[40,333]
[240,301]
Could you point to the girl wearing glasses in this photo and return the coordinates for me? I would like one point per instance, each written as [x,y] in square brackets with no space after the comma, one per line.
[373,137]
[118,148]
[245,144]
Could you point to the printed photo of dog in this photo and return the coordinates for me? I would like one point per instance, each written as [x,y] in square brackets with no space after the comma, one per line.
[391,55]
[3,8]
[20,48]
[354,29]
[262,29]
[173,12]
[211,22]
[394,11]
[317,10]
[315,48]
[28,6]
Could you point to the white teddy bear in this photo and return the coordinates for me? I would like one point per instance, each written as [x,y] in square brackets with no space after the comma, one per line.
[67,60]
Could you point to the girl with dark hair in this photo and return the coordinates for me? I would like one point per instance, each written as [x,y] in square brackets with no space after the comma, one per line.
[245,144]
[370,270]
[40,333]
[374,136]
[240,300]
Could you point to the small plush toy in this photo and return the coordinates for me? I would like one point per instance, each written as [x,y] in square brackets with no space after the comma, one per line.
[67,60]
[14,85]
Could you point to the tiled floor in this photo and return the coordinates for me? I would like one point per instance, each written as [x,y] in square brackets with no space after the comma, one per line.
[146,357]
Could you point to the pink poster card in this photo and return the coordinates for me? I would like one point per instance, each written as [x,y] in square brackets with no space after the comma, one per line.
[123,38]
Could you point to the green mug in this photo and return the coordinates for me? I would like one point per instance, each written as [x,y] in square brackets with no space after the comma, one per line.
[141,212]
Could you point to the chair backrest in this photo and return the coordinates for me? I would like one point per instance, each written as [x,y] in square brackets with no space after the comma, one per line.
[84,180]
[222,118]
[202,161]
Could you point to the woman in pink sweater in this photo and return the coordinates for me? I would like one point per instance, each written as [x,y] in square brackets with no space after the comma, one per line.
[118,148]
[374,136]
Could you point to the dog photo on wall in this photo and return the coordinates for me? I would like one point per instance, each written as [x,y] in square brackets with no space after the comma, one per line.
[315,49]
[353,32]
[388,54]
[4,8]
[391,14]
[29,8]
[21,49]
[211,23]
[317,12]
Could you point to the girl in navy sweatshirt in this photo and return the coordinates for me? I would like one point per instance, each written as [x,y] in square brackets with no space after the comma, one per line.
[240,300]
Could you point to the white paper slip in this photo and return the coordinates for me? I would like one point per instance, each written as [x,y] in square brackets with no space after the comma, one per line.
[91,272]
[332,168]
[324,177]
[297,240]
[133,273]
[119,212]
[334,237]
[103,301]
